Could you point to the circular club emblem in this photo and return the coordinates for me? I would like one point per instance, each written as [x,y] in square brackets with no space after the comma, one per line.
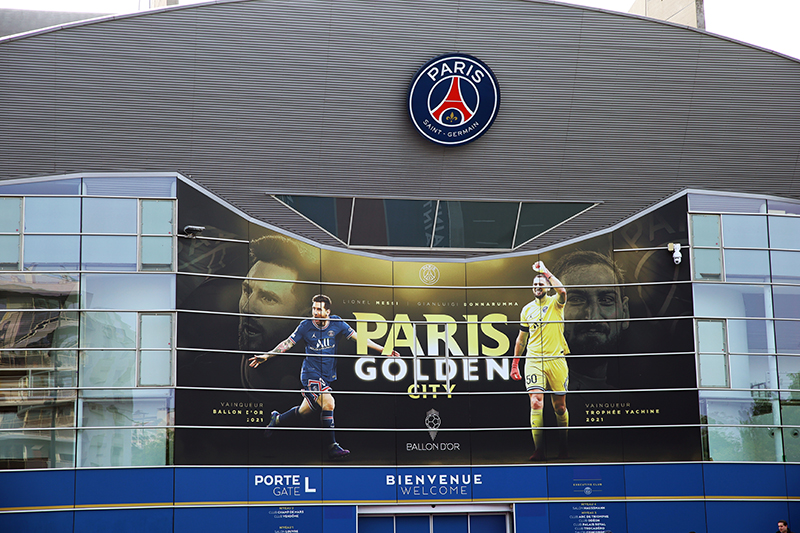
[429,274]
[453,99]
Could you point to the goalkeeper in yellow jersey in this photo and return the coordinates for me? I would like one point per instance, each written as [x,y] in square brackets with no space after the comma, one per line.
[541,337]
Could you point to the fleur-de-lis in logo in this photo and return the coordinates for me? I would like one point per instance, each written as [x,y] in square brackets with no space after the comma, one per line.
[451,117]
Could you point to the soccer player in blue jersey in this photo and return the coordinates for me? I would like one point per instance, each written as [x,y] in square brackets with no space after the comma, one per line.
[321,335]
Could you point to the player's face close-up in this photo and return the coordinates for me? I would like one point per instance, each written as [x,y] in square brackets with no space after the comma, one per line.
[320,312]
[539,286]
[601,310]
[260,297]
[782,527]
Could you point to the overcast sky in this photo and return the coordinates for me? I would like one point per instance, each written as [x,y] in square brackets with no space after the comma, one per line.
[771,24]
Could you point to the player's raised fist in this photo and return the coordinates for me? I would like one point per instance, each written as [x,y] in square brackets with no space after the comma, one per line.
[539,267]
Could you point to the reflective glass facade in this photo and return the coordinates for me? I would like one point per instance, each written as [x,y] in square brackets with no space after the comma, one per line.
[83,343]
[748,333]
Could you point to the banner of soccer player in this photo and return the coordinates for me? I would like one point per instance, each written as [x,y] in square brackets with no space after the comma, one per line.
[450,397]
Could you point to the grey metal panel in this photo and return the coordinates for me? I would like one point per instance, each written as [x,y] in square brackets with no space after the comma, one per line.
[13,21]
[258,97]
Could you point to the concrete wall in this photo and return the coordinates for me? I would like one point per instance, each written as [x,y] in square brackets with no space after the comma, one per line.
[686,12]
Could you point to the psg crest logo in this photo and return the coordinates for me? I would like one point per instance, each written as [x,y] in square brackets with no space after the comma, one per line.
[453,99]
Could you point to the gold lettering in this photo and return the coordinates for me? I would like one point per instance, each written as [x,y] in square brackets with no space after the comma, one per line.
[364,334]
[499,337]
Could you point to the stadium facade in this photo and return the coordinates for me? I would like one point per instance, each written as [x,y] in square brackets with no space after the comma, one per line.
[176,185]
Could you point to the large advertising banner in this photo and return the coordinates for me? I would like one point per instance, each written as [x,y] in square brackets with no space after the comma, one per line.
[412,362]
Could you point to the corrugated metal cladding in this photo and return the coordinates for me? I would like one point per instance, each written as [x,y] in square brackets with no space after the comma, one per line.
[308,96]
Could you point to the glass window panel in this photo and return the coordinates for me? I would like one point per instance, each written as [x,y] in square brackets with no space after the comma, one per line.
[705,230]
[108,253]
[52,187]
[155,368]
[475,224]
[157,217]
[141,187]
[711,336]
[66,332]
[38,291]
[66,364]
[747,265]
[376,524]
[127,408]
[729,300]
[156,253]
[38,449]
[754,372]
[744,231]
[369,223]
[412,524]
[748,407]
[779,207]
[64,361]
[726,204]
[493,523]
[535,218]
[331,214]
[751,336]
[53,215]
[142,446]
[156,331]
[713,370]
[450,524]
[34,409]
[41,378]
[789,373]
[109,215]
[124,447]
[745,444]
[785,267]
[408,222]
[10,215]
[108,369]
[786,301]
[38,329]
[9,252]
[128,291]
[790,416]
[787,336]
[108,330]
[52,252]
[783,232]
[30,397]
[707,264]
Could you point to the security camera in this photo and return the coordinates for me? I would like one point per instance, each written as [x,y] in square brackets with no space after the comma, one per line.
[675,248]
[193,231]
[677,256]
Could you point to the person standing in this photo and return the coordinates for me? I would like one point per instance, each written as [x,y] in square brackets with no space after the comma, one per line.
[321,336]
[541,340]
